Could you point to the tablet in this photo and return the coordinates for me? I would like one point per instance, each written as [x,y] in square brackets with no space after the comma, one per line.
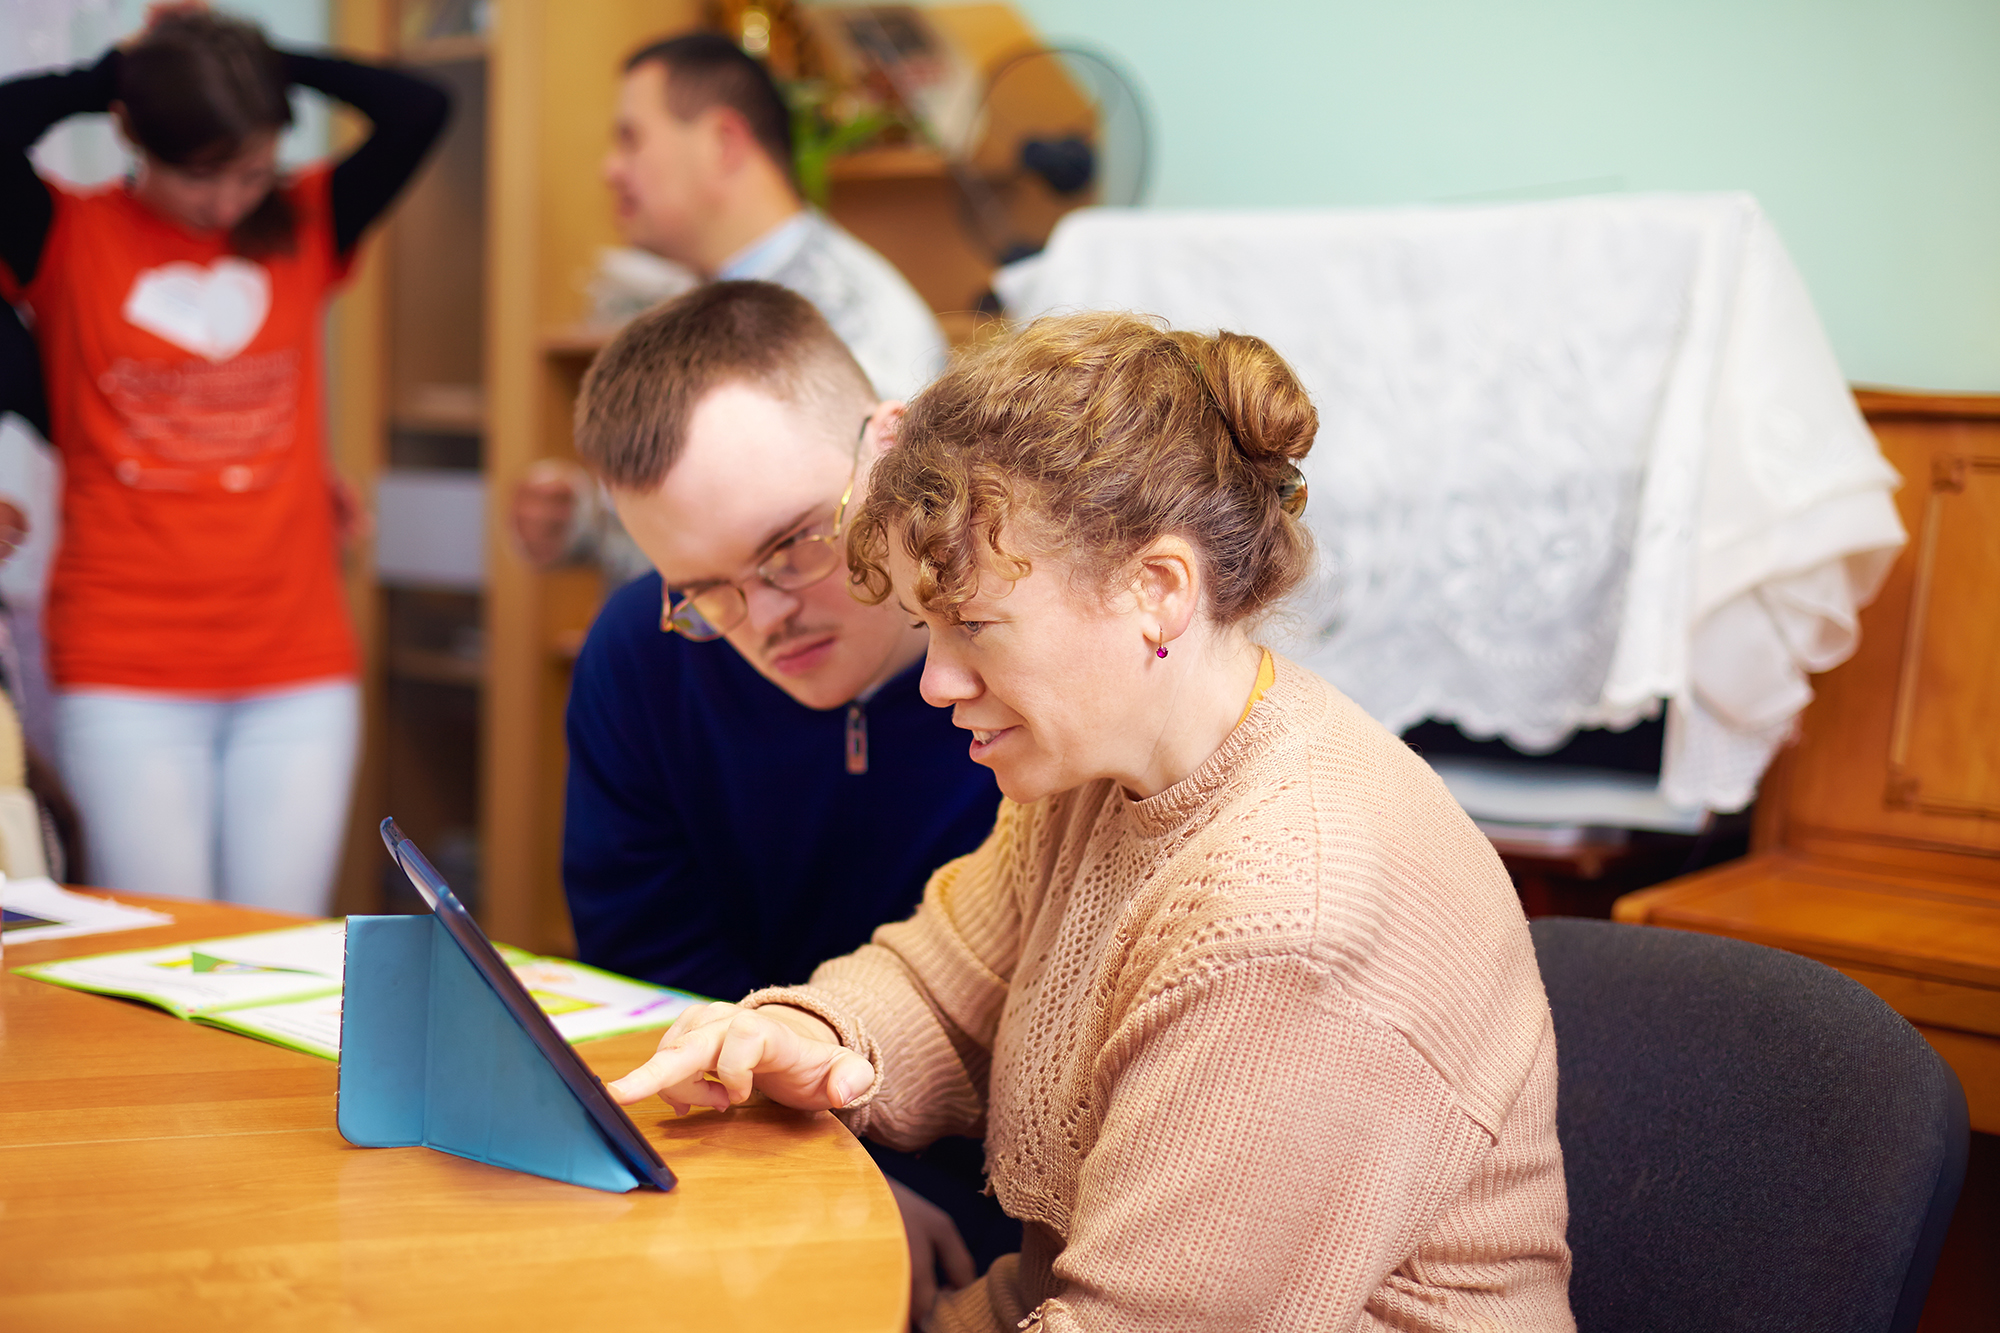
[610,1118]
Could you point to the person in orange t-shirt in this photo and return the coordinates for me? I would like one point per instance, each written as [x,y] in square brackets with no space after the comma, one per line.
[207,710]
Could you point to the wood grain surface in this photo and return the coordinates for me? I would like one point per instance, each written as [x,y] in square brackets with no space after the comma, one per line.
[1878,834]
[159,1174]
[1896,758]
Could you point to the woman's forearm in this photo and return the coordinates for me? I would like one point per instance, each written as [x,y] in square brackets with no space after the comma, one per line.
[407,114]
[28,107]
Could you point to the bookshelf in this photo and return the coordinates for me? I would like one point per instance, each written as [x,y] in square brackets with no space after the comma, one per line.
[457,355]
[442,383]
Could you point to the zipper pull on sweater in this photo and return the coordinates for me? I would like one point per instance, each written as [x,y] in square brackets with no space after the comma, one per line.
[857,739]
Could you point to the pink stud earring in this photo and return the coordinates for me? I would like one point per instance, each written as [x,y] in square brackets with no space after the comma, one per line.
[1163,650]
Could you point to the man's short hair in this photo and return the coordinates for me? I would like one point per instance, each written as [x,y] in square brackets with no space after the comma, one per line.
[706,69]
[632,413]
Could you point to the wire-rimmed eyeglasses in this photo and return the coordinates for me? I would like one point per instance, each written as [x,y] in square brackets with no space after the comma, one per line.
[800,559]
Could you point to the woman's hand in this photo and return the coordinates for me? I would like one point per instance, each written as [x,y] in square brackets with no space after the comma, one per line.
[13,529]
[717,1054]
[351,520]
[934,1244]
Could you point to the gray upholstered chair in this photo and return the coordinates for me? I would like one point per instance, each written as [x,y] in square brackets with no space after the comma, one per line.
[1752,1140]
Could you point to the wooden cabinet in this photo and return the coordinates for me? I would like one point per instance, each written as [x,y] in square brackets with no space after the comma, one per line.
[1877,848]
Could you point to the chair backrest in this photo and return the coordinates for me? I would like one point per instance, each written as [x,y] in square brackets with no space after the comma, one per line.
[1751,1140]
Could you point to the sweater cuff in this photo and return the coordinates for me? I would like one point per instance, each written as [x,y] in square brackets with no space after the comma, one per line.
[846,1027]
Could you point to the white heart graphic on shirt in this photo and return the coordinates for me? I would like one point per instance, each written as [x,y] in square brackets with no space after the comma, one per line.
[213,312]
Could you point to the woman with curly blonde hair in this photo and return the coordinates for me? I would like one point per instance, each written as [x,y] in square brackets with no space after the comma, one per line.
[1243,1003]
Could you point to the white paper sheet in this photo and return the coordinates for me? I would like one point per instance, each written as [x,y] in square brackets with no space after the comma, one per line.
[584,1002]
[41,909]
[167,977]
[320,949]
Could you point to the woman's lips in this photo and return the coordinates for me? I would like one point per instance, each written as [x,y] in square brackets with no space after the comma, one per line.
[983,740]
[797,661]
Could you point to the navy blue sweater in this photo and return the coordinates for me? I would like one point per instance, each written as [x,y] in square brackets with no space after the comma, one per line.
[714,839]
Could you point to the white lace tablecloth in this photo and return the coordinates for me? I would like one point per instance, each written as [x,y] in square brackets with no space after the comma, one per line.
[1576,459]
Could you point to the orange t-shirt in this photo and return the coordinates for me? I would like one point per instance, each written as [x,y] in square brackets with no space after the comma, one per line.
[198,552]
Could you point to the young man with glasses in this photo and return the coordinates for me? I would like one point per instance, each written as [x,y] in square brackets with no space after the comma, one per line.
[754,782]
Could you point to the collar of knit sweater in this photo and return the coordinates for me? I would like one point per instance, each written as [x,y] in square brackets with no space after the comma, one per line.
[1276,715]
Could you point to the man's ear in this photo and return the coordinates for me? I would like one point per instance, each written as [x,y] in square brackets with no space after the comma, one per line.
[731,140]
[883,424]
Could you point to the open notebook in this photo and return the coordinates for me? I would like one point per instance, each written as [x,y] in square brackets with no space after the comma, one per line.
[284,986]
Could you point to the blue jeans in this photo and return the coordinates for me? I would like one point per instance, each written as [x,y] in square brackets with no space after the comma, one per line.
[240,797]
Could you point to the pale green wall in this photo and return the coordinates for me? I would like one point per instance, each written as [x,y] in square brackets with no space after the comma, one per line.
[1870,130]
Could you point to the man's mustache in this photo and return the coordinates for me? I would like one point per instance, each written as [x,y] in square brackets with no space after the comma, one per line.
[791,633]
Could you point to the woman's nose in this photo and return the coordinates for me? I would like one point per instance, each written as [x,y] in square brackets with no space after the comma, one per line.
[945,682]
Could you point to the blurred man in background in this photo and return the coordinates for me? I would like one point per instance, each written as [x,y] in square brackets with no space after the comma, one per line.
[700,172]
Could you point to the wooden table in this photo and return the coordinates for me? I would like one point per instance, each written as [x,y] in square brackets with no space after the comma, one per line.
[157,1174]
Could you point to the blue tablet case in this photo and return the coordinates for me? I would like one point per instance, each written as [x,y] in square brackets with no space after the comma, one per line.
[430,1055]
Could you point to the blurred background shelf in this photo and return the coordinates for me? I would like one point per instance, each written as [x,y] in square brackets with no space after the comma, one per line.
[446,408]
[434,667]
[445,50]
[893,163]
[459,349]
[583,340]
[447,395]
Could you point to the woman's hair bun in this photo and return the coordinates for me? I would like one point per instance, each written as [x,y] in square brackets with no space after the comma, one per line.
[1262,402]
[1091,435]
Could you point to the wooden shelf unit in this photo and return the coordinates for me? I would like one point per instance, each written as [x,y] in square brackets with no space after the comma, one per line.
[478,289]
[441,334]
[895,163]
[455,49]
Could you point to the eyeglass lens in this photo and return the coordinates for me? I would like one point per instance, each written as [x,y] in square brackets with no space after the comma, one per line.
[793,567]
[710,613]
[713,612]
[801,562]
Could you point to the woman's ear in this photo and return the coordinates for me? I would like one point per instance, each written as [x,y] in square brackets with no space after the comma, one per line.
[1168,585]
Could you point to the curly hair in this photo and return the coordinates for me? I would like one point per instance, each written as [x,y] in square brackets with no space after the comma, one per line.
[1091,436]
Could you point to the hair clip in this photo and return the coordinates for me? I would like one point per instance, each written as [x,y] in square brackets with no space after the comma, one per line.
[1292,491]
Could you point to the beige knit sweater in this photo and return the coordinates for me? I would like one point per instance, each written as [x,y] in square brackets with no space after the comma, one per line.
[1268,1050]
